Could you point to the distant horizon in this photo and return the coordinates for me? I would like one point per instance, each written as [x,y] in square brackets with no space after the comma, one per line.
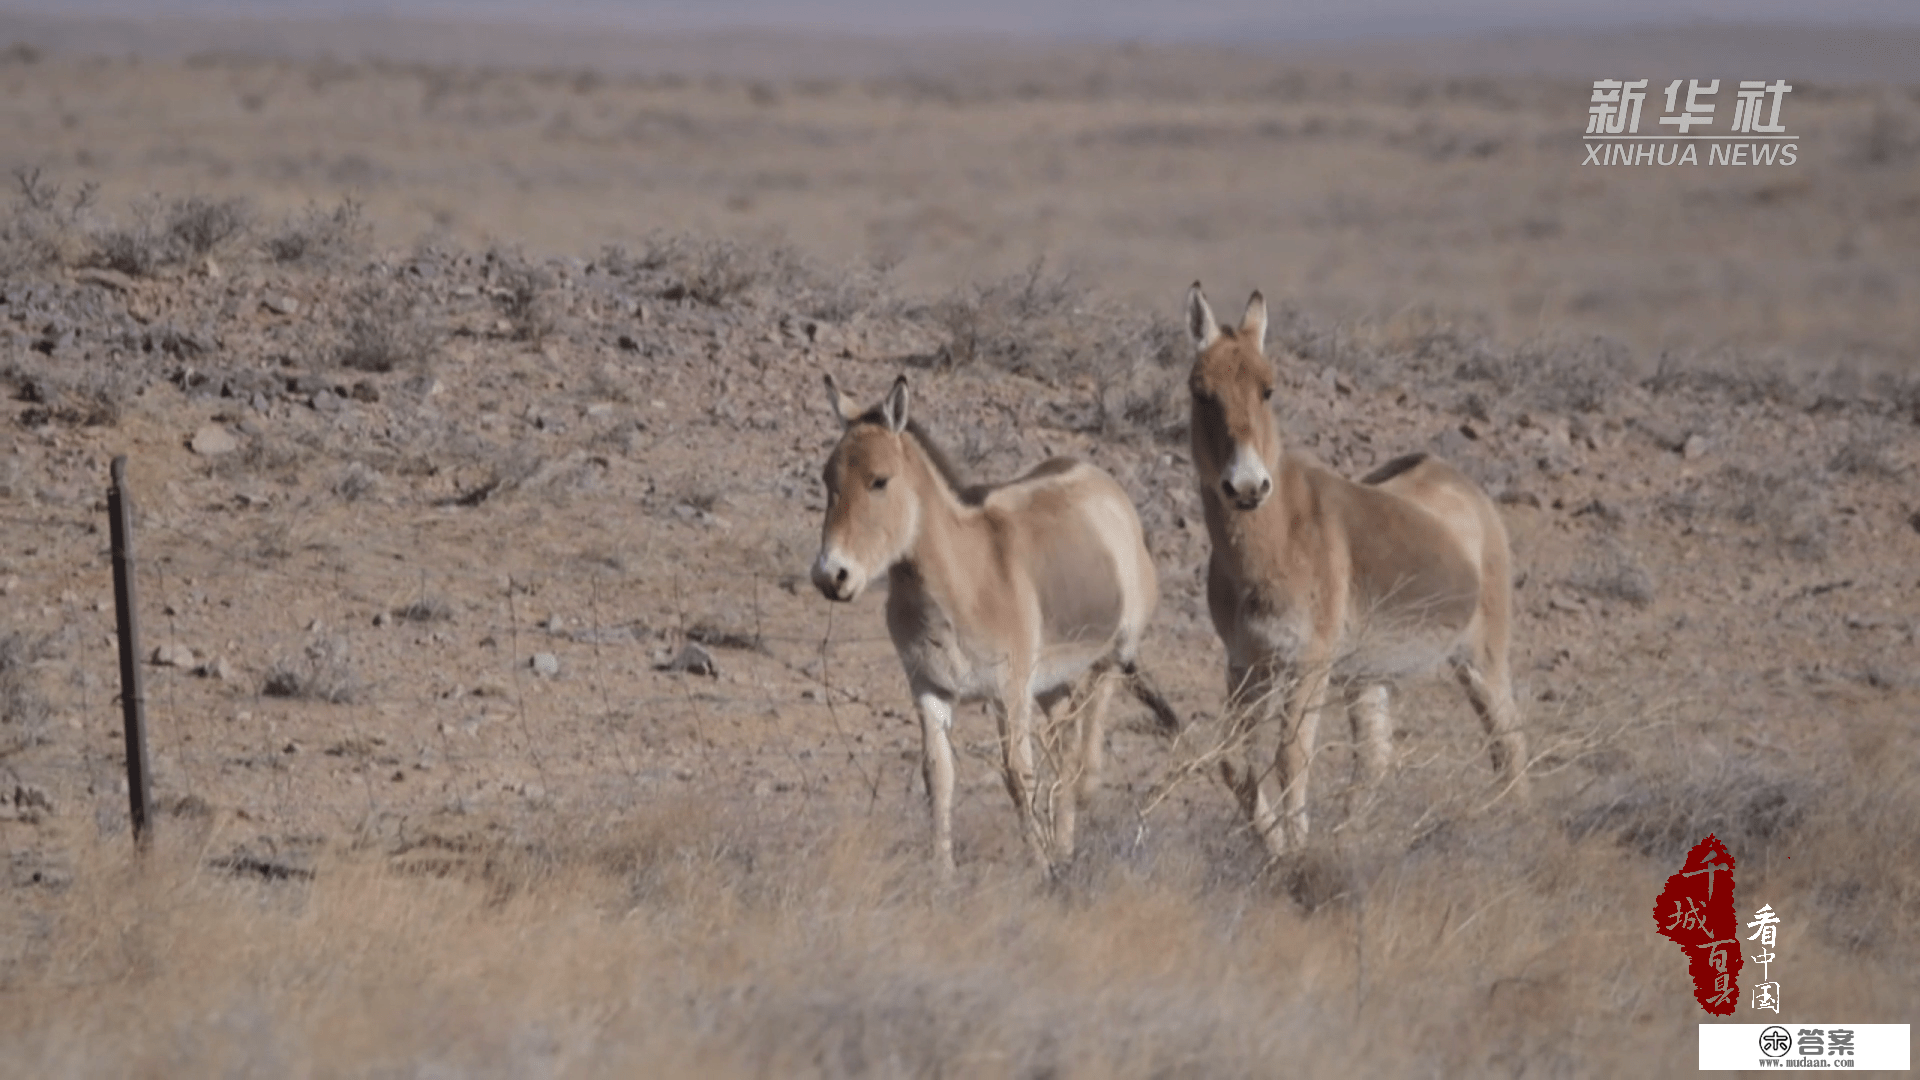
[1203,22]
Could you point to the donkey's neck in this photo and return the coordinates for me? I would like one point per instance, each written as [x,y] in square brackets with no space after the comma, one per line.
[953,536]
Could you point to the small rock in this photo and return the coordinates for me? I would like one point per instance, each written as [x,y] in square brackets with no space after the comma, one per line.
[1694,447]
[213,440]
[212,269]
[32,797]
[172,656]
[280,304]
[326,401]
[545,664]
[693,659]
[380,618]
[111,279]
[216,668]
[1562,602]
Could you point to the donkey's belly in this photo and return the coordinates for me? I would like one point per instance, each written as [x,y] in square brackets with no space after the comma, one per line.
[1368,649]
[932,651]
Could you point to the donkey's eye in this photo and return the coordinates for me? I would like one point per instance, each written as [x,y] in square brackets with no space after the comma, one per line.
[879,483]
[1266,393]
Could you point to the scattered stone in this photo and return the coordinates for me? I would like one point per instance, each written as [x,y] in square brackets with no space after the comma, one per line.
[693,659]
[280,304]
[31,797]
[380,618]
[172,656]
[545,663]
[213,440]
[111,279]
[216,668]
[1694,447]
[1563,602]
[327,401]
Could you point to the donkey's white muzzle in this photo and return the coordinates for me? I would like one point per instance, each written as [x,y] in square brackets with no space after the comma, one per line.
[1245,481]
[836,578]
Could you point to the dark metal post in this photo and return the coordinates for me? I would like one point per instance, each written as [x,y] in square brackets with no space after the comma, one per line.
[133,695]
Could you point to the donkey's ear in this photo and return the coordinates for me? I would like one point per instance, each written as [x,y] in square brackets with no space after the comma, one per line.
[1201,326]
[843,406]
[894,409]
[1253,325]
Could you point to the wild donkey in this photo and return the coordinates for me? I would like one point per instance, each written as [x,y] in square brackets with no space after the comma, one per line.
[1315,578]
[1008,593]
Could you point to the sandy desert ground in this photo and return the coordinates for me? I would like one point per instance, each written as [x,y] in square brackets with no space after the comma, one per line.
[474,427]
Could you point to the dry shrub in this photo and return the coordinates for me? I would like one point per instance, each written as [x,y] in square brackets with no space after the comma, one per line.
[1787,511]
[321,237]
[523,294]
[42,229]
[712,271]
[385,330]
[1047,327]
[164,234]
[1557,376]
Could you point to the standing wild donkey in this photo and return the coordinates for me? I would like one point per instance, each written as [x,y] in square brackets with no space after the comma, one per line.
[1315,578]
[1008,593]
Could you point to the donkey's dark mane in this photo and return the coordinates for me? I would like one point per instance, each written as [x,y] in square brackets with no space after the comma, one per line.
[969,494]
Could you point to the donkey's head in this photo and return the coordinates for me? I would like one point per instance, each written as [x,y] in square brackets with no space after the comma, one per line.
[873,507]
[1236,442]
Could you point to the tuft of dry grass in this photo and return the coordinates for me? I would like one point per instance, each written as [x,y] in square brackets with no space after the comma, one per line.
[323,672]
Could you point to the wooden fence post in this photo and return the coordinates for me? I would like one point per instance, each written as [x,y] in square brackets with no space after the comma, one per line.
[133,695]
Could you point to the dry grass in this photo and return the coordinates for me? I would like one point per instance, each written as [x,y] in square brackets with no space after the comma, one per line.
[693,939]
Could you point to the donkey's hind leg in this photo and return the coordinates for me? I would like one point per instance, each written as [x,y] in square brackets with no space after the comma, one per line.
[1372,733]
[1079,777]
[1491,692]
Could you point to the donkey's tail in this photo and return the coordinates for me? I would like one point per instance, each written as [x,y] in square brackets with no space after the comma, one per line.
[1166,721]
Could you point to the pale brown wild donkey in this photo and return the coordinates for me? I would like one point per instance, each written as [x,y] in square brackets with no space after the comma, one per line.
[1006,593]
[1315,578]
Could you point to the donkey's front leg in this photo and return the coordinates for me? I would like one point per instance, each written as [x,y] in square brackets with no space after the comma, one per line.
[1299,730]
[936,765]
[1016,741]
[1253,693]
